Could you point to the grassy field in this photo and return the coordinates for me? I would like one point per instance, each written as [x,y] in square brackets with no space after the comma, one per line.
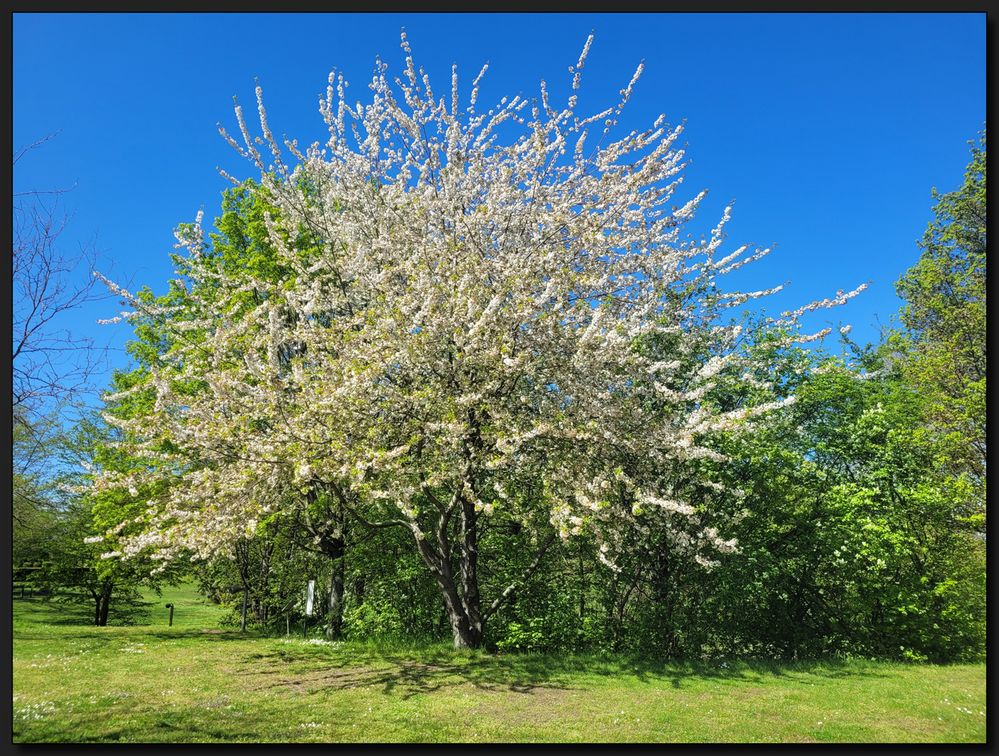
[194,683]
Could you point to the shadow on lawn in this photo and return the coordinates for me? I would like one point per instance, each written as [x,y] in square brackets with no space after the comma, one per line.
[404,674]
[152,728]
[736,671]
[63,609]
[141,632]
[409,673]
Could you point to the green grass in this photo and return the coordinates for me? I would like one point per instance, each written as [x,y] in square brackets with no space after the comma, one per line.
[193,683]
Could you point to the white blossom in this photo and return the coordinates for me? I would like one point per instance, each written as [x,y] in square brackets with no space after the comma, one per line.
[472,313]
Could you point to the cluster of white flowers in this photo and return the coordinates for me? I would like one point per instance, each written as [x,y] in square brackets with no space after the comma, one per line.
[466,317]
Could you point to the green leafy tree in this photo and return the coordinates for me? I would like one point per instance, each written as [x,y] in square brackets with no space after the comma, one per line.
[857,538]
[944,318]
[33,500]
[77,551]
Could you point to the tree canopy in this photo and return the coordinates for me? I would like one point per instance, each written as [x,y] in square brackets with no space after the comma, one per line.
[457,350]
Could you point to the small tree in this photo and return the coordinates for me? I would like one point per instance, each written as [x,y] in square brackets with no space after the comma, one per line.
[466,331]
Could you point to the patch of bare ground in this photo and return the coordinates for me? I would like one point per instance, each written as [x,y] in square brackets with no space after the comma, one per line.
[533,705]
[330,678]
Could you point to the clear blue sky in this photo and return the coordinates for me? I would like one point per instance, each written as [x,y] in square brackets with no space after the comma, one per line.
[828,131]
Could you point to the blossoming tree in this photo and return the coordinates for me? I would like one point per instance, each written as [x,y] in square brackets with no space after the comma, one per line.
[467,329]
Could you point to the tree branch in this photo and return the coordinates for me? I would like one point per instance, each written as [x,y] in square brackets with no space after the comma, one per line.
[525,575]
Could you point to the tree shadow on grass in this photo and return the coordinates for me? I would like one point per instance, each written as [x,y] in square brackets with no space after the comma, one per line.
[182,725]
[410,673]
[735,671]
[141,633]
[397,673]
[68,609]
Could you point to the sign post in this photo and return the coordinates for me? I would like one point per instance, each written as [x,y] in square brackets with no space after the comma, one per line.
[309,596]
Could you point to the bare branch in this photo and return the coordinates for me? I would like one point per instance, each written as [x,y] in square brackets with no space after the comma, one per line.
[50,364]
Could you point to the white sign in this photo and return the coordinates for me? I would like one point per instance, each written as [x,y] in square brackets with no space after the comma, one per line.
[308,599]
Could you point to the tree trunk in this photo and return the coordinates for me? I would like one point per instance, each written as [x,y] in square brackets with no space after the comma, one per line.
[464,607]
[265,574]
[104,605]
[335,625]
[439,563]
[242,620]
[243,564]
[465,633]
[471,599]
[331,533]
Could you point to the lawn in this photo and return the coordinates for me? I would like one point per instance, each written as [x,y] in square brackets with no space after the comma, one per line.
[196,683]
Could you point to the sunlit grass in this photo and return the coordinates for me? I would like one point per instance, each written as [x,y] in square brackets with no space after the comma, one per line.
[154,683]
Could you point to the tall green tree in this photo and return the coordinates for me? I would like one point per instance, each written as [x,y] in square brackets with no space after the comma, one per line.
[944,318]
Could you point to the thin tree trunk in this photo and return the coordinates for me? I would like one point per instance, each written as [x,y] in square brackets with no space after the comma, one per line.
[243,563]
[335,625]
[242,621]
[265,574]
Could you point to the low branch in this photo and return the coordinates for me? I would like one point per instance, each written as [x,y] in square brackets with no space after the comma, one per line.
[526,575]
